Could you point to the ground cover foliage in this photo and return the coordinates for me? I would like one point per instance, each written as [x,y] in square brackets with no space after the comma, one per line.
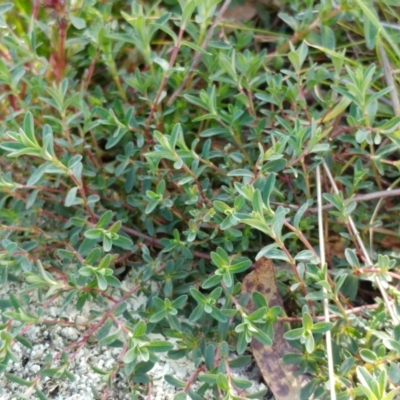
[153,147]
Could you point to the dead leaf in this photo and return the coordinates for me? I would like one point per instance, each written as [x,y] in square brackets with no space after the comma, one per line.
[282,379]
[390,242]
[242,13]
[336,245]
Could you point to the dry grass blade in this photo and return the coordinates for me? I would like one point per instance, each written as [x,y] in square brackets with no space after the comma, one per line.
[365,254]
[387,71]
[326,302]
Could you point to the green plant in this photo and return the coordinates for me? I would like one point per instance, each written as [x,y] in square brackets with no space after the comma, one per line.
[153,148]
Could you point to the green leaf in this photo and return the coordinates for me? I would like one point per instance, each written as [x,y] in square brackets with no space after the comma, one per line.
[124,243]
[188,8]
[309,342]
[316,296]
[221,206]
[158,316]
[241,344]
[107,243]
[218,260]
[328,37]
[101,281]
[258,202]
[167,30]
[368,356]
[209,356]
[199,297]
[175,382]
[40,394]
[305,255]
[307,321]
[179,302]
[258,314]
[242,383]
[366,380]
[197,313]
[25,342]
[352,258]
[215,294]
[71,197]
[38,173]
[222,382]
[322,327]
[227,279]
[105,219]
[240,266]
[29,129]
[273,254]
[180,395]
[274,166]
[294,334]
[17,379]
[196,48]
[140,329]
[389,125]
[259,300]
[218,315]
[211,281]
[240,362]
[370,34]
[216,131]
[115,227]
[391,395]
[195,100]
[224,256]
[110,339]
[159,346]
[5,7]
[130,356]
[228,66]
[299,214]
[19,149]
[94,233]
[241,172]
[78,23]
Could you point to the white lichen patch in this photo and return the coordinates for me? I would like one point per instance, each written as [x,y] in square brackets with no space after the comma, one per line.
[50,339]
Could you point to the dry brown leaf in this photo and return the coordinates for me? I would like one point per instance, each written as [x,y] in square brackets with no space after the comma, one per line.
[242,13]
[390,242]
[282,379]
[336,245]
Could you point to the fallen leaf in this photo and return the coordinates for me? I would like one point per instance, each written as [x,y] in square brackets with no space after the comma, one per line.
[241,13]
[336,245]
[283,380]
[390,242]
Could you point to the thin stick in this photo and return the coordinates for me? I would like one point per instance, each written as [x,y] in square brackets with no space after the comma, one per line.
[388,74]
[197,57]
[331,370]
[355,310]
[365,253]
[360,197]
[375,213]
